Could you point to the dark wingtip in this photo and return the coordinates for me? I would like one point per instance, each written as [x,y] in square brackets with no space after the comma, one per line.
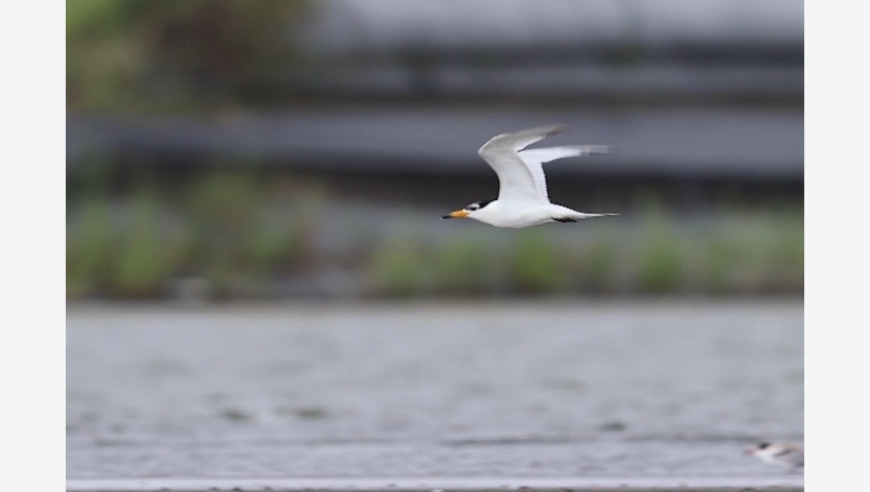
[556,129]
[547,130]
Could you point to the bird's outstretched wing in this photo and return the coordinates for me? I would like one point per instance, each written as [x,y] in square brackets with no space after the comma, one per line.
[520,172]
[535,158]
[516,180]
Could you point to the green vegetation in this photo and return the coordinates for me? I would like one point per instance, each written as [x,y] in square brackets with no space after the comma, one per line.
[661,258]
[152,55]
[88,245]
[595,266]
[144,257]
[535,264]
[220,229]
[236,234]
[465,267]
[399,268]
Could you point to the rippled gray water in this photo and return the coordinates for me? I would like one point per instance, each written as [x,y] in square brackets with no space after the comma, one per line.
[407,390]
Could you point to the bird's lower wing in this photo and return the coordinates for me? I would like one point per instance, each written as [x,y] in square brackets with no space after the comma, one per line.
[534,158]
[517,181]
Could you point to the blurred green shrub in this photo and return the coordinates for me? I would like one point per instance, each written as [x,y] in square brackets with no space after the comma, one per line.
[722,265]
[660,259]
[776,253]
[89,246]
[465,266]
[226,227]
[595,266]
[161,54]
[535,264]
[399,268]
[144,259]
[237,242]
[231,233]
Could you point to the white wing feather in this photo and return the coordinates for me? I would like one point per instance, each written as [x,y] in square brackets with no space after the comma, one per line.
[516,180]
[520,172]
[534,158]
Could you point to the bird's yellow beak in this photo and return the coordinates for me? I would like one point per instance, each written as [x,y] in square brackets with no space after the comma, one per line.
[459,214]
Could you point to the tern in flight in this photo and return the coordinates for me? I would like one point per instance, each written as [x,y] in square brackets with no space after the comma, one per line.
[785,454]
[522,196]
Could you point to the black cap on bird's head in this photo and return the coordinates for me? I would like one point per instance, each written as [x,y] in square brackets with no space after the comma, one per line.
[758,447]
[465,212]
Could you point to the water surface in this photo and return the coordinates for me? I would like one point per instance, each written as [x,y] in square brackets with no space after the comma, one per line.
[567,389]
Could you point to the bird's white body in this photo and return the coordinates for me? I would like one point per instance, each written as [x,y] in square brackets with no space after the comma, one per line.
[779,453]
[505,213]
[522,199]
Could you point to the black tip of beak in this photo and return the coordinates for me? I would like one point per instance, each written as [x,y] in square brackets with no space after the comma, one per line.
[446,217]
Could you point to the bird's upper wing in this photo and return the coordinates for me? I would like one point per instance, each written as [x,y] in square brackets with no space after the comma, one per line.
[518,182]
[791,453]
[534,158]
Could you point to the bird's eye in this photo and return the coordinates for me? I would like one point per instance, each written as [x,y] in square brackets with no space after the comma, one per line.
[473,206]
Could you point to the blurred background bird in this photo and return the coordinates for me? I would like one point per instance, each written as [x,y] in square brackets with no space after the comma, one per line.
[784,454]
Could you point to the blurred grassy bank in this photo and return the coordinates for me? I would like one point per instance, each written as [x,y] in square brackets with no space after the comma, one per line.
[236,234]
[194,229]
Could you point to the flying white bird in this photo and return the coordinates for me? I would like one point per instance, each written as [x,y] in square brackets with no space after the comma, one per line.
[522,197]
[780,453]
